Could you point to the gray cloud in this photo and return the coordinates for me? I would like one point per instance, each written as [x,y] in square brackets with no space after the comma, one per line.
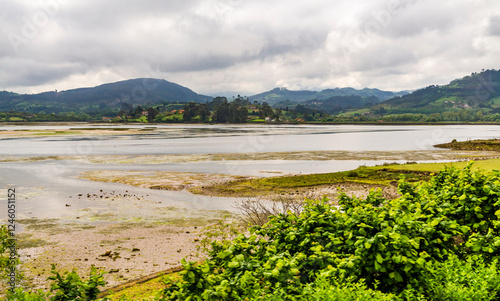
[245,45]
[494,26]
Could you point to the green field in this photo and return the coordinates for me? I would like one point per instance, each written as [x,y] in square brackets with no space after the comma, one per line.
[488,165]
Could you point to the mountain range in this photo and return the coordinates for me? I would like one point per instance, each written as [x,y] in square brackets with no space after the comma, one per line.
[479,90]
[281,95]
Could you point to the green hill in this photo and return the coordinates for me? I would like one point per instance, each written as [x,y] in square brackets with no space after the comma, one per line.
[479,92]
[314,99]
[141,91]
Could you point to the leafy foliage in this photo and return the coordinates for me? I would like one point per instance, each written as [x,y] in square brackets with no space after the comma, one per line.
[469,279]
[71,287]
[65,288]
[402,246]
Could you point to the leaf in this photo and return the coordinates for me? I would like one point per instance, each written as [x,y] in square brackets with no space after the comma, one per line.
[398,277]
[380,259]
[205,269]
[233,264]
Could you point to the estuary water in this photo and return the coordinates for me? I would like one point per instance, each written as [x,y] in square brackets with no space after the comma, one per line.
[44,187]
[206,139]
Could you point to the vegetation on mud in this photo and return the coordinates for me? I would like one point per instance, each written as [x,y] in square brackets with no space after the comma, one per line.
[374,176]
[472,145]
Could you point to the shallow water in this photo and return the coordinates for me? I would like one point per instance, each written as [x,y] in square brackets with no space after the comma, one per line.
[206,139]
[45,187]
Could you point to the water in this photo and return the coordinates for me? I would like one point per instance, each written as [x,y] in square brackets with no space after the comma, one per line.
[205,139]
[45,187]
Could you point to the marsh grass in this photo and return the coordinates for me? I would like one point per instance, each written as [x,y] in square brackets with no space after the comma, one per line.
[487,165]
[472,145]
[25,241]
[373,176]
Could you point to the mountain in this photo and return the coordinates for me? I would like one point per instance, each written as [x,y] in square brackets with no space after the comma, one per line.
[336,104]
[477,91]
[141,91]
[282,94]
[343,97]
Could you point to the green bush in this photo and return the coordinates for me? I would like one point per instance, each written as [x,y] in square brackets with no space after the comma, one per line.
[71,287]
[21,294]
[64,287]
[392,245]
[458,280]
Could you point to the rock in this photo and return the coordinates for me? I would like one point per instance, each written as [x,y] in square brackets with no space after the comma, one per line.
[136,250]
[107,253]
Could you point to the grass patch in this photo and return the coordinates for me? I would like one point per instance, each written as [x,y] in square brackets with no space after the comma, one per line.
[48,225]
[117,228]
[488,165]
[142,291]
[265,186]
[472,145]
[57,133]
[25,241]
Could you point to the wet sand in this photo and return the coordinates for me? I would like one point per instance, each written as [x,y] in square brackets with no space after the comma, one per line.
[126,251]
[421,155]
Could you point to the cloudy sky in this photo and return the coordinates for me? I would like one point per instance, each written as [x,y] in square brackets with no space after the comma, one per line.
[246,46]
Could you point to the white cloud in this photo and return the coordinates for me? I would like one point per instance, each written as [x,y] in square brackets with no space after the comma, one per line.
[243,45]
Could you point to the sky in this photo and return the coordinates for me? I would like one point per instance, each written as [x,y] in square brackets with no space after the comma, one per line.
[246,46]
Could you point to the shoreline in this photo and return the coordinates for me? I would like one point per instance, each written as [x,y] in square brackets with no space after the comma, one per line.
[251,123]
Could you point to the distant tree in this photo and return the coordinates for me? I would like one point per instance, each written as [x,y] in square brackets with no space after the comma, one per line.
[241,101]
[204,113]
[136,112]
[278,114]
[152,112]
[266,110]
[217,101]
[237,113]
[221,111]
[190,111]
[124,106]
[122,113]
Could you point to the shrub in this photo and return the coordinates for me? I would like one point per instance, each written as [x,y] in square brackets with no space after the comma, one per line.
[392,245]
[71,287]
[470,279]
